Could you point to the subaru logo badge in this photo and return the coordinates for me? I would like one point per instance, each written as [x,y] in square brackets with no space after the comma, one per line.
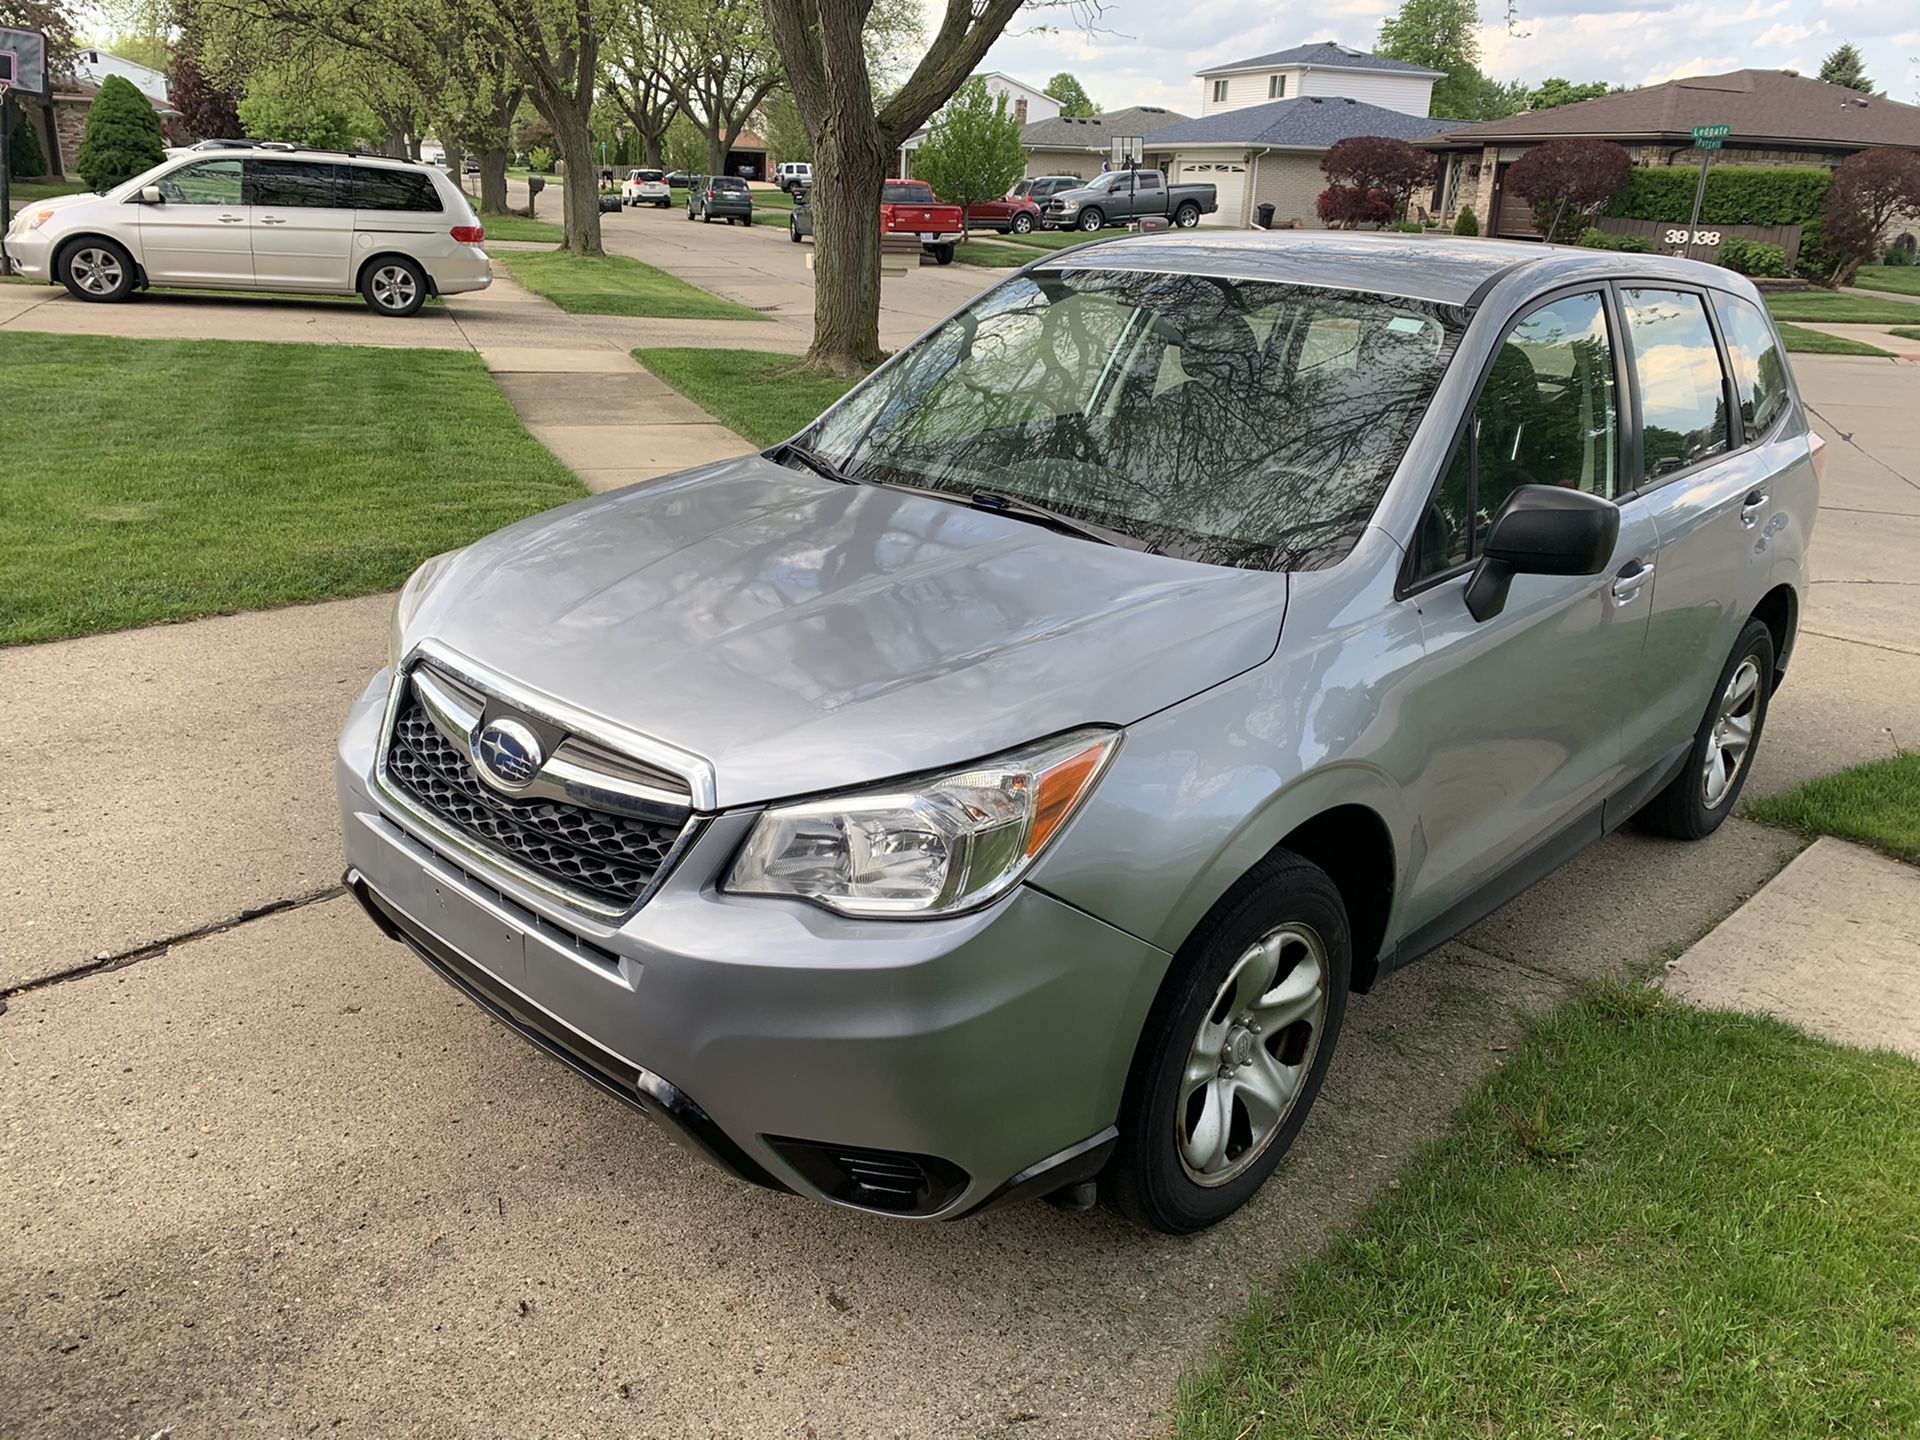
[507,755]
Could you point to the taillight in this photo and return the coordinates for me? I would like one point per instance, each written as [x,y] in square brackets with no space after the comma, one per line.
[1817,452]
[709,194]
[470,234]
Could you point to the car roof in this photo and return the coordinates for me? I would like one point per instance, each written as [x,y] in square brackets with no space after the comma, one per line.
[1445,269]
[278,151]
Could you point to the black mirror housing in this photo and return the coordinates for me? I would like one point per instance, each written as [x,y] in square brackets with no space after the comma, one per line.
[1542,530]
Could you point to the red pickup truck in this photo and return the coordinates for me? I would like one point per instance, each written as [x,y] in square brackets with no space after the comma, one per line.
[907,207]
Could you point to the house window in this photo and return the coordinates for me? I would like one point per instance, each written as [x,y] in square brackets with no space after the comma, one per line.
[1219,91]
[1276,87]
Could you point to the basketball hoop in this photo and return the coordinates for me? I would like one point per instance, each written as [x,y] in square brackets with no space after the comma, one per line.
[5,85]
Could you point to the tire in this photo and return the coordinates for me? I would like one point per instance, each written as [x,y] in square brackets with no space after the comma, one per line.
[793,232]
[1021,224]
[1187,216]
[1283,916]
[1708,786]
[706,217]
[1091,220]
[689,212]
[942,254]
[393,285]
[97,270]
[663,204]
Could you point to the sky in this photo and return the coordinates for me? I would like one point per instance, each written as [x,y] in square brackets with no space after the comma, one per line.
[1145,52]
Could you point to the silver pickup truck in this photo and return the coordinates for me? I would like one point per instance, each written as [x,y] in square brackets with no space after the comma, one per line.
[1126,195]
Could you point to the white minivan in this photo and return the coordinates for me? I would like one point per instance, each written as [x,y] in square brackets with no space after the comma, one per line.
[262,219]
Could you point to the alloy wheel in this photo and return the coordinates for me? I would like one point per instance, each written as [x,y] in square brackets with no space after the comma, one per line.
[1252,1054]
[394,287]
[96,271]
[1732,734]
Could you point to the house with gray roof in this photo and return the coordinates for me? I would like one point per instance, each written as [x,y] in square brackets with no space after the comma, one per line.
[1063,146]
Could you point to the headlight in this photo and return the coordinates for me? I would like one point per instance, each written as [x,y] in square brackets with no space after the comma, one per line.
[935,847]
[1068,204]
[411,594]
[27,221]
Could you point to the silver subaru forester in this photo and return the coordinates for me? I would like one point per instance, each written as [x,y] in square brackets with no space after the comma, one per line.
[1000,787]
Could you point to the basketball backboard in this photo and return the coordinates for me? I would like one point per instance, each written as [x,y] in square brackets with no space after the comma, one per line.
[23,61]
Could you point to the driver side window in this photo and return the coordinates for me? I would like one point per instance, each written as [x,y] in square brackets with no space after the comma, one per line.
[1547,414]
[211,182]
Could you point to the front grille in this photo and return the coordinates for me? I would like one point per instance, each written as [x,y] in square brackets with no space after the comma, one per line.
[608,858]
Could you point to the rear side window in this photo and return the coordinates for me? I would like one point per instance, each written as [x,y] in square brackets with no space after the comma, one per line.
[1759,369]
[1683,395]
[293,184]
[392,190]
[1148,180]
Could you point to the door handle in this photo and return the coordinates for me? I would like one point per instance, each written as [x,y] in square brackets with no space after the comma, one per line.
[271,220]
[231,219]
[1751,508]
[1631,581]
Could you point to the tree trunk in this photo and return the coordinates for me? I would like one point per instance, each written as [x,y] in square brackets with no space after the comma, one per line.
[580,195]
[493,180]
[716,156]
[455,162]
[650,150]
[848,172]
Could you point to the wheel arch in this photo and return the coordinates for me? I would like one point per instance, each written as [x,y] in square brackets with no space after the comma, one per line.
[70,243]
[1779,611]
[360,271]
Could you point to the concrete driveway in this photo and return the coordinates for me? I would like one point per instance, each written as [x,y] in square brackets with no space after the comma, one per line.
[278,1179]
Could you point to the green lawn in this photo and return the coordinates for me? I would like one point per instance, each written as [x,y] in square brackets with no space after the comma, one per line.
[1906,332]
[25,192]
[1830,308]
[1654,1221]
[1900,279]
[782,218]
[167,479]
[519,227]
[616,285]
[1812,342]
[766,398]
[996,256]
[1055,239]
[1877,804]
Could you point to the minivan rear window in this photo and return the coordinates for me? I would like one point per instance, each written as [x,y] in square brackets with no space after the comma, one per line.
[393,190]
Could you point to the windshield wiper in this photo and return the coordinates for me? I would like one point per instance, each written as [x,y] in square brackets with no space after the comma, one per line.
[818,463]
[1016,508]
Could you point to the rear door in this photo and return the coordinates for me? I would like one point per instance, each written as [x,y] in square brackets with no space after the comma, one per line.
[200,233]
[302,224]
[1149,193]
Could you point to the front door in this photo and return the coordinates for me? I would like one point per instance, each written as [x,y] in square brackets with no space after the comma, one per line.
[302,224]
[1525,710]
[198,233]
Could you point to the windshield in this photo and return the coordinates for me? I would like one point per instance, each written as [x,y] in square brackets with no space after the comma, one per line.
[1235,422]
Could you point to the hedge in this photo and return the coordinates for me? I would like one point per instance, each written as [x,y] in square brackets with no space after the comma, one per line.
[1737,195]
[1594,239]
[1751,257]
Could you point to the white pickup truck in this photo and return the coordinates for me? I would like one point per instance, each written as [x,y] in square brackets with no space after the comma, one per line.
[646,187]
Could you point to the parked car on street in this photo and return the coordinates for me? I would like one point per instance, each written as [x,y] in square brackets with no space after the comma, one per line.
[793,175]
[646,187]
[679,179]
[908,207]
[268,218]
[723,197]
[999,788]
[1124,195]
[800,221]
[1016,214]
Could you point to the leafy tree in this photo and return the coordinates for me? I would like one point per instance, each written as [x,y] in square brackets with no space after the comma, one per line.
[1372,176]
[637,75]
[142,47]
[52,18]
[308,106]
[824,45]
[122,136]
[1554,92]
[723,65]
[1441,35]
[1846,66]
[1870,191]
[1074,101]
[684,147]
[973,151]
[783,130]
[208,110]
[25,159]
[1580,176]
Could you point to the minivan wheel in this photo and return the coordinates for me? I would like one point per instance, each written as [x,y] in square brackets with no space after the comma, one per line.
[97,270]
[394,286]
[1234,1051]
[1708,786]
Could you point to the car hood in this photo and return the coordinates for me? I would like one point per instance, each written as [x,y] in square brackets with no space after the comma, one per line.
[802,635]
[59,202]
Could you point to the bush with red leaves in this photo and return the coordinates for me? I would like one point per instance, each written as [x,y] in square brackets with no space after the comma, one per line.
[1568,181]
[1870,191]
[1372,177]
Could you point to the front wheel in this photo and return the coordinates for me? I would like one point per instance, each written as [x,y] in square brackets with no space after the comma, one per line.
[1703,794]
[1187,216]
[1022,224]
[394,286]
[97,270]
[1091,220]
[793,232]
[1235,1050]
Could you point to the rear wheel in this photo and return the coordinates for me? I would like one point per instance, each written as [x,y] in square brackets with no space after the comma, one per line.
[793,231]
[394,285]
[98,270]
[1187,216]
[1235,1050]
[1705,791]
[942,254]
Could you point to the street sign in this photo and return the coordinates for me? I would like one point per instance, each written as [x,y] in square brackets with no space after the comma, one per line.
[1710,137]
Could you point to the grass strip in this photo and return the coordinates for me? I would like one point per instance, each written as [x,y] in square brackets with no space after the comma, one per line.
[765,397]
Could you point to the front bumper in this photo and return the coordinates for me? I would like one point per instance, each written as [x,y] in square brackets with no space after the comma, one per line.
[30,255]
[993,1046]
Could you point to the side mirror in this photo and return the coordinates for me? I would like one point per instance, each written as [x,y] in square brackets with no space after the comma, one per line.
[1542,530]
[150,195]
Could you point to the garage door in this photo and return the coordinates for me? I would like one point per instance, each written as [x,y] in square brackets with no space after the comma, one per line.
[1229,182]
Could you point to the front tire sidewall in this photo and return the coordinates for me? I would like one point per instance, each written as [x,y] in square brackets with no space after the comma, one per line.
[120,256]
[1091,220]
[1022,224]
[1146,1180]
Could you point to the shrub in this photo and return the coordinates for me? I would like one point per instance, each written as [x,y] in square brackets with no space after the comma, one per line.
[1752,257]
[1372,176]
[1466,223]
[541,159]
[1593,239]
[1897,255]
[1408,227]
[1569,180]
[122,136]
[1813,261]
[1736,195]
[24,159]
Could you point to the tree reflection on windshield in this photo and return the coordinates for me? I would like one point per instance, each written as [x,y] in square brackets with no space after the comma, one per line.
[1236,422]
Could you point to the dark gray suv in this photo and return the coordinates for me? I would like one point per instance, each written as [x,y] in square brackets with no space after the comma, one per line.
[1001,787]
